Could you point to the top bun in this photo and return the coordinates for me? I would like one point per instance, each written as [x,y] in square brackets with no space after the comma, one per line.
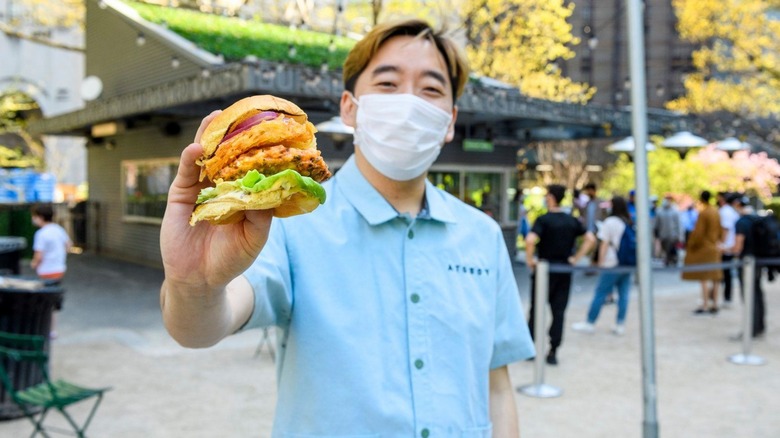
[241,110]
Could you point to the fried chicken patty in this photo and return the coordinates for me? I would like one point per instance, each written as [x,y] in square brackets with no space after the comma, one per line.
[274,159]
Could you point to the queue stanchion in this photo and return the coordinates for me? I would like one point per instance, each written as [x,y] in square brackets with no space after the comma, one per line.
[539,388]
[748,281]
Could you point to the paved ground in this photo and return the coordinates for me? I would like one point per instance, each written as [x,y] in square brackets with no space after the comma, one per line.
[110,333]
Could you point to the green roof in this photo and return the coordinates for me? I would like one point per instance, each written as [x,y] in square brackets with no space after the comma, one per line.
[236,38]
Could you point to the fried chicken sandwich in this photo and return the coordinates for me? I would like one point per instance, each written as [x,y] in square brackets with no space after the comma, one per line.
[261,154]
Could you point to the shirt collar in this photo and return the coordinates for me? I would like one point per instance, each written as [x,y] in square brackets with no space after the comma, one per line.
[374,208]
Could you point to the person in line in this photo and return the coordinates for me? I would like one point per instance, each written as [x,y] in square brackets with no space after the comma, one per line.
[744,246]
[591,208]
[667,230]
[610,234]
[51,244]
[702,249]
[395,302]
[728,222]
[689,217]
[553,238]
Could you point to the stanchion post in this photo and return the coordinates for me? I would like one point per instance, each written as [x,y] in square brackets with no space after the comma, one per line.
[542,283]
[748,288]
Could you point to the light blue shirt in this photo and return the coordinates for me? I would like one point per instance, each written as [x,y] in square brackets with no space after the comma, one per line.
[389,325]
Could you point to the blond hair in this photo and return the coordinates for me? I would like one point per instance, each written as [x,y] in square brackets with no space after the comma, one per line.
[365,49]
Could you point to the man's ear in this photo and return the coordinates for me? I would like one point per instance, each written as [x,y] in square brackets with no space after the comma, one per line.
[348,109]
[451,129]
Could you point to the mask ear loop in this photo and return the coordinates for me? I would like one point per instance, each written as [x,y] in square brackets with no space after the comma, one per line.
[354,99]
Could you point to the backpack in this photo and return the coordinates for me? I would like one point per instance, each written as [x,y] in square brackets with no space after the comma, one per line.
[626,251]
[766,236]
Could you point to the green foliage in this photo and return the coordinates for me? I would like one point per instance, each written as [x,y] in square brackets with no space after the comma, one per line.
[519,41]
[15,158]
[706,169]
[235,38]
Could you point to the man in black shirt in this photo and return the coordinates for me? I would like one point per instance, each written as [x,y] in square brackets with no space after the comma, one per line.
[554,235]
[744,246]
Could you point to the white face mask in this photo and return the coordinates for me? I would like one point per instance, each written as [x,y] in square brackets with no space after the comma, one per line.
[400,134]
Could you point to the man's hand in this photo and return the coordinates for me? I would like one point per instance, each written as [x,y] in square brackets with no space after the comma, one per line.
[200,261]
[207,255]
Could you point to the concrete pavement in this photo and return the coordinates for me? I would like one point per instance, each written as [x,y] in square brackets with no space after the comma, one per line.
[110,334]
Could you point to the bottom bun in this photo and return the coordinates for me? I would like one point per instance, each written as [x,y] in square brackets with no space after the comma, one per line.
[287,194]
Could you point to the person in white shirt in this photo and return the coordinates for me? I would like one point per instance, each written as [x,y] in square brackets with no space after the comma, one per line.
[50,245]
[728,221]
[609,235]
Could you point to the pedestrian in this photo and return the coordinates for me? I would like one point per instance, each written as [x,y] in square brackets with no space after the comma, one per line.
[728,222]
[668,230]
[50,245]
[689,217]
[702,249]
[396,303]
[610,234]
[553,238]
[745,245]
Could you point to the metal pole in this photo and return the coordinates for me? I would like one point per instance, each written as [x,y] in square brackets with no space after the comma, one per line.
[542,284]
[748,290]
[636,55]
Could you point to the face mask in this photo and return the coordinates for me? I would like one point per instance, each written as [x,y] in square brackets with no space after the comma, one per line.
[400,134]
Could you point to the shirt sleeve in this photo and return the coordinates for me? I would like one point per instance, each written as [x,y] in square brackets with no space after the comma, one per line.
[270,278]
[538,227]
[512,340]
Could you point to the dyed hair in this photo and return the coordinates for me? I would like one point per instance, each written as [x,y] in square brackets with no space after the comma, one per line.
[365,49]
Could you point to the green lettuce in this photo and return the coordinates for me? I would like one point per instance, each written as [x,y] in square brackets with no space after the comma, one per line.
[254,182]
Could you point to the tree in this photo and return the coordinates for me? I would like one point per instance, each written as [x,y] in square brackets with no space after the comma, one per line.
[519,42]
[709,169]
[568,162]
[737,67]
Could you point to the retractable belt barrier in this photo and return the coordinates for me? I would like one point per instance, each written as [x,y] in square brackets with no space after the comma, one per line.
[543,269]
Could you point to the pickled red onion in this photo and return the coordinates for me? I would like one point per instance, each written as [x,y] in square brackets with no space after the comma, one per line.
[252,121]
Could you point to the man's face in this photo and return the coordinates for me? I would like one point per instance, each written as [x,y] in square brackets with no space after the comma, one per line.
[404,64]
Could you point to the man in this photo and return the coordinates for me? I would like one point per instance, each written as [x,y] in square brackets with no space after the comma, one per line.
[667,230]
[728,221]
[744,245]
[554,234]
[591,210]
[396,304]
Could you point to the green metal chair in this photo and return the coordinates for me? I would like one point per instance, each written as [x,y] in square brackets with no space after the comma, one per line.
[37,400]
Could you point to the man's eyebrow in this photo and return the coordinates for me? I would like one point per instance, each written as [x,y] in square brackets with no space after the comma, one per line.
[391,68]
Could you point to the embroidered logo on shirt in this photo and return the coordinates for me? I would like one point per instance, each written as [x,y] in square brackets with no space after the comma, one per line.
[468,270]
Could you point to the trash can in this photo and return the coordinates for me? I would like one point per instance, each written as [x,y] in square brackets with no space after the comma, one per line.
[25,310]
[10,254]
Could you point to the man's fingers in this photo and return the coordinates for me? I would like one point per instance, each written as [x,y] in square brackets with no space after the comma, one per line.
[205,122]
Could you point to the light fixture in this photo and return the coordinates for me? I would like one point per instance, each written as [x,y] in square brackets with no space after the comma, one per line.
[175,63]
[140,40]
[628,146]
[593,42]
[659,90]
[336,130]
[205,72]
[731,145]
[684,141]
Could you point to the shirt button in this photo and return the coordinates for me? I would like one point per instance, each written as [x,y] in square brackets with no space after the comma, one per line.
[419,364]
[415,298]
[411,234]
[425,433]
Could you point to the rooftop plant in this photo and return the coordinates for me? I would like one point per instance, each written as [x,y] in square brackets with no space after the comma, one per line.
[236,38]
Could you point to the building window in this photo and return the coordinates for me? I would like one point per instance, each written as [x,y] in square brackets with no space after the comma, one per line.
[481,189]
[145,186]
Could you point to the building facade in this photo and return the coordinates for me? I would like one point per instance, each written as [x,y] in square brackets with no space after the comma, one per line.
[156,86]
